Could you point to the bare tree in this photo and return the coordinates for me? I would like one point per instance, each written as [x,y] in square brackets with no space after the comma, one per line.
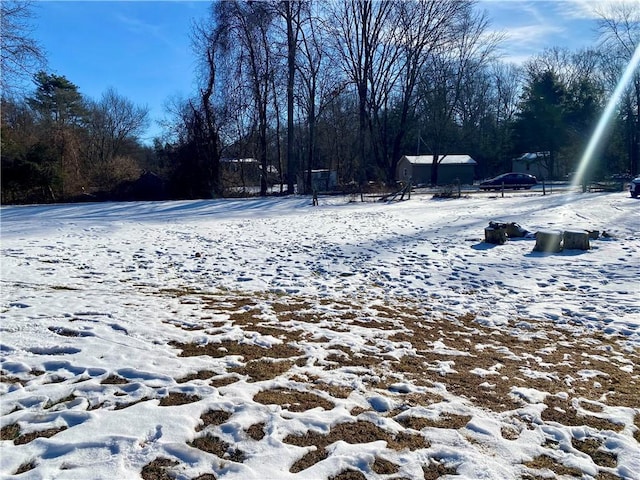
[422,27]
[619,27]
[471,48]
[506,88]
[244,37]
[21,56]
[359,28]
[113,120]
[319,83]
[291,12]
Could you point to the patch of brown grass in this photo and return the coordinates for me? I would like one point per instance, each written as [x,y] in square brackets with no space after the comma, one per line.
[384,467]
[218,447]
[349,475]
[436,469]
[593,448]
[10,432]
[561,411]
[292,400]
[213,418]
[26,467]
[178,398]
[261,370]
[256,431]
[451,421]
[545,462]
[223,381]
[226,348]
[206,476]
[10,380]
[65,332]
[52,403]
[309,459]
[30,437]
[114,380]
[336,391]
[199,375]
[350,432]
[123,405]
[158,469]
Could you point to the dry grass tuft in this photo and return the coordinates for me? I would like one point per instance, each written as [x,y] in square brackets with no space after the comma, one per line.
[25,467]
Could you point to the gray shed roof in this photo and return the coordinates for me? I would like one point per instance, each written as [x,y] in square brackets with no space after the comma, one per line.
[447,160]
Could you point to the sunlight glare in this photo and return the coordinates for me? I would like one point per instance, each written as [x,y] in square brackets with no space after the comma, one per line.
[605,118]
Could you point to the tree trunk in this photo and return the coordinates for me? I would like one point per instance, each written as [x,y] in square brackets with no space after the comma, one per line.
[291,65]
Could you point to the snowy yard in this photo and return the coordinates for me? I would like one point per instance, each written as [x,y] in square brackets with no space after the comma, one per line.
[269,339]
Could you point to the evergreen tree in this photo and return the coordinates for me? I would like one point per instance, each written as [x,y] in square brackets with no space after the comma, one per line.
[541,126]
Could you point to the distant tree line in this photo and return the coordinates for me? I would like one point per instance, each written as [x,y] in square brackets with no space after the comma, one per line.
[349,86]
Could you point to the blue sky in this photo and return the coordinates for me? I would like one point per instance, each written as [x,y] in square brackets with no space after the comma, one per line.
[140,48]
[143,49]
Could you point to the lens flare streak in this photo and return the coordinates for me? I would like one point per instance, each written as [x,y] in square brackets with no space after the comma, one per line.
[606,117]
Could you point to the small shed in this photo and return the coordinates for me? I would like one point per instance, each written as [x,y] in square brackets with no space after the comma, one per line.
[451,169]
[533,163]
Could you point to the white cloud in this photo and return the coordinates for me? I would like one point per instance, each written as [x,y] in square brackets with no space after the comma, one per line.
[594,10]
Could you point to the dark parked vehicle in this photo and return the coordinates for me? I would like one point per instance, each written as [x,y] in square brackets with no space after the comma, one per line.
[634,187]
[513,181]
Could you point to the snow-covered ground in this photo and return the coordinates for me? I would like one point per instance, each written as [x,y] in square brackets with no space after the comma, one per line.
[270,339]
